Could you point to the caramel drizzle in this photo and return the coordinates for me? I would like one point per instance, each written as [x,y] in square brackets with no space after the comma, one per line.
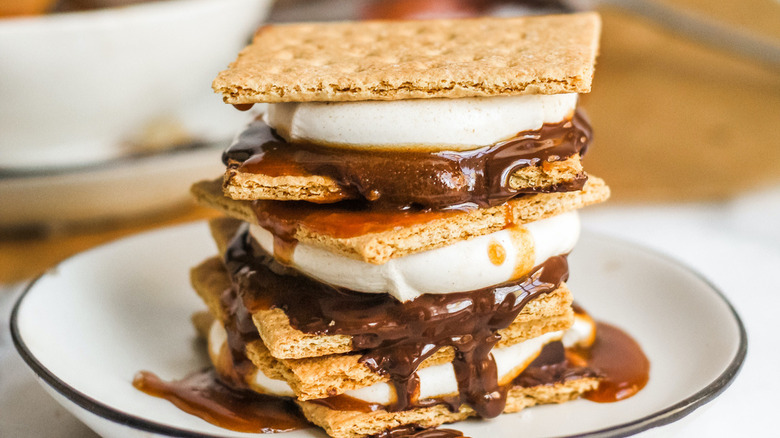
[620,360]
[394,337]
[416,178]
[204,395]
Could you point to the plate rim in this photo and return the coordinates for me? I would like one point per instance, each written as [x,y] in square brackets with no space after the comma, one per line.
[659,418]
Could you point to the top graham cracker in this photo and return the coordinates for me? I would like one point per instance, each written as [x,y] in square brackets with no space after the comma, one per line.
[391,60]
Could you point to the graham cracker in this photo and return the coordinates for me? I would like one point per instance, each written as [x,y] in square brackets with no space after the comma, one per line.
[222,231]
[390,60]
[201,321]
[353,424]
[324,189]
[378,248]
[209,279]
[548,312]
[328,375]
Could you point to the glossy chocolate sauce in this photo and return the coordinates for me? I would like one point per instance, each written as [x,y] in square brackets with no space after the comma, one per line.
[413,431]
[240,330]
[415,178]
[204,395]
[552,366]
[396,337]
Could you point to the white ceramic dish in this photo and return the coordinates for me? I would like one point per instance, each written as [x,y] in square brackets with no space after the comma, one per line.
[89,325]
[82,87]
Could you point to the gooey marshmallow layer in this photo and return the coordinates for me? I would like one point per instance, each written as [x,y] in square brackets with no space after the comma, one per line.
[437,380]
[433,124]
[461,267]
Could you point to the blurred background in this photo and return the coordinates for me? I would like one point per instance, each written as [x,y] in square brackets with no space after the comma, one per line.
[107,117]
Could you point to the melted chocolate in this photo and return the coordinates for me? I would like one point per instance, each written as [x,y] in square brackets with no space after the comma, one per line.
[203,394]
[404,178]
[240,330]
[396,337]
[552,366]
[615,358]
[413,431]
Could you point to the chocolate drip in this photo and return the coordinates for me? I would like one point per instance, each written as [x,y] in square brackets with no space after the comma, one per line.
[405,178]
[240,331]
[413,431]
[397,337]
[203,394]
[551,367]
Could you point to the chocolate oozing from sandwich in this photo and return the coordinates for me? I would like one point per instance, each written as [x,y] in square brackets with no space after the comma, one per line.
[416,177]
[394,337]
[413,431]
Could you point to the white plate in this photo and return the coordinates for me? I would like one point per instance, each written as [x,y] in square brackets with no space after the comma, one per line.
[87,327]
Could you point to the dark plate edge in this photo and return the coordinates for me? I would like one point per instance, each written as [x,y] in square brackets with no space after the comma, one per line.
[87,403]
[656,419]
[686,406]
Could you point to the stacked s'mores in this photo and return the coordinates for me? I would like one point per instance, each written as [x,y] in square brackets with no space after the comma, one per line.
[399,218]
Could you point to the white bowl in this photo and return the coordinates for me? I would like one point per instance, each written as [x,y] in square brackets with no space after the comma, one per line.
[80,87]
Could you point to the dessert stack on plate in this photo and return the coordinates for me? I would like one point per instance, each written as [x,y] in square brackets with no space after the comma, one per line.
[398,219]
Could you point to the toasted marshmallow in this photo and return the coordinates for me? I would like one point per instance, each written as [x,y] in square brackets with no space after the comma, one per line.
[430,124]
[461,267]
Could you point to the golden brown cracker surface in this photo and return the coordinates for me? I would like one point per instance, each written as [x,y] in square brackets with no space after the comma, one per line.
[353,424]
[324,189]
[390,60]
